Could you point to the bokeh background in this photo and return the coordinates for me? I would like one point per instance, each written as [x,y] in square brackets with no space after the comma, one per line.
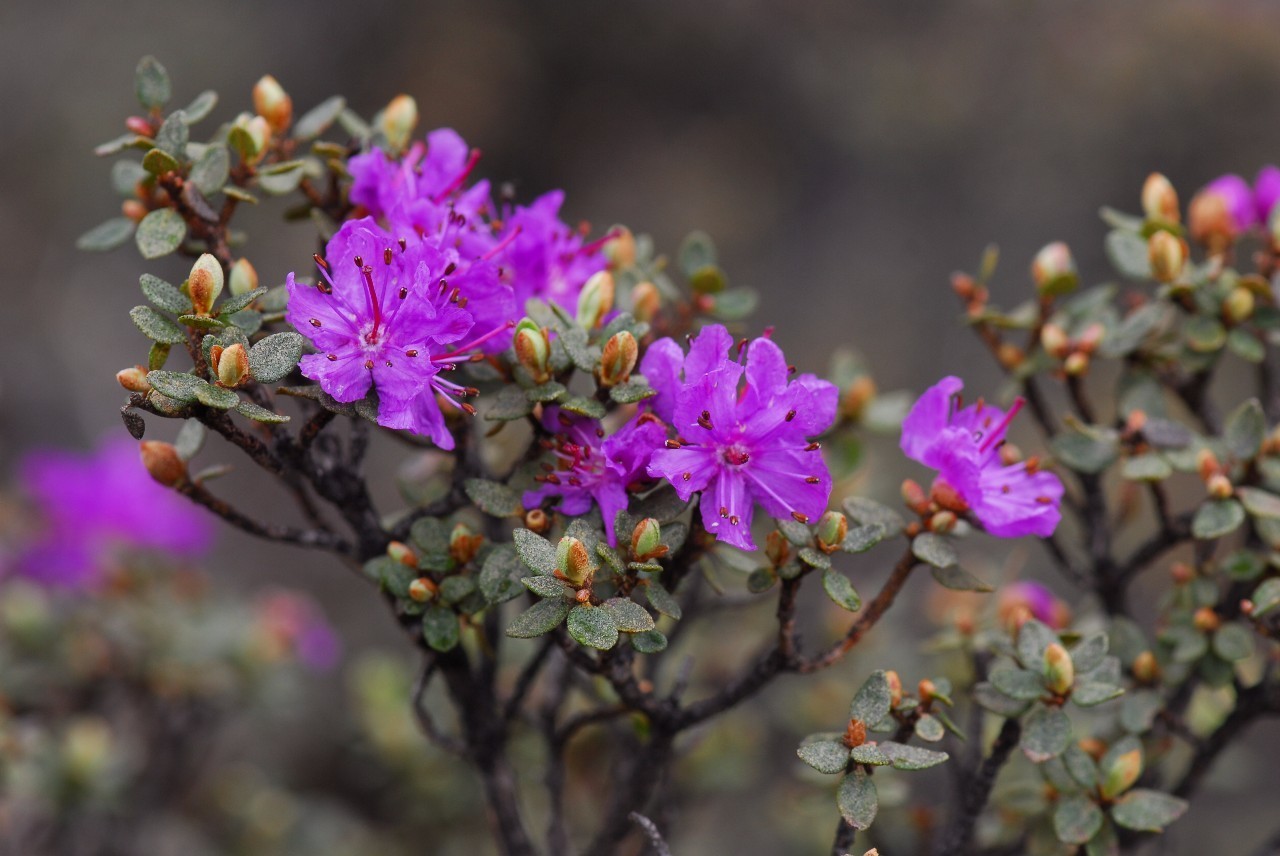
[846,157]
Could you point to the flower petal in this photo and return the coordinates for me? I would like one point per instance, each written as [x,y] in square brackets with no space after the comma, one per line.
[928,417]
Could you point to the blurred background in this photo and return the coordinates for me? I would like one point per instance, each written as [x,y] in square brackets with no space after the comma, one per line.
[846,157]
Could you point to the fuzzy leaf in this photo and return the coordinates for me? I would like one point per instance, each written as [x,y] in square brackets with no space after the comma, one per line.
[1245,429]
[272,358]
[1089,652]
[905,757]
[151,83]
[661,599]
[317,120]
[249,410]
[545,586]
[628,616]
[957,578]
[106,236]
[988,697]
[179,386]
[155,326]
[494,499]
[509,404]
[1233,642]
[1033,638]
[929,728]
[1086,451]
[499,575]
[862,538]
[1146,810]
[1076,819]
[1046,734]
[160,233]
[216,397]
[1020,684]
[840,590]
[935,550]
[1259,503]
[648,641]
[1216,518]
[1266,597]
[1091,693]
[164,295]
[866,512]
[825,756]
[872,701]
[857,800]
[593,627]
[543,617]
[535,551]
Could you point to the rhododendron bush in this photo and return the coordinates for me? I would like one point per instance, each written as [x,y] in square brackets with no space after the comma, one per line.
[606,451]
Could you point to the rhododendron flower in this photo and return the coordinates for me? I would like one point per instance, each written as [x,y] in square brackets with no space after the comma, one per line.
[1040,603]
[435,174]
[383,317]
[97,506]
[963,445]
[592,468]
[293,623]
[1266,193]
[742,434]
[543,257]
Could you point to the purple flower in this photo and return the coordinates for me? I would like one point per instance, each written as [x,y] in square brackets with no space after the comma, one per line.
[435,174]
[1037,600]
[962,444]
[593,469]
[542,257]
[741,447]
[97,506]
[1266,193]
[383,317]
[293,622]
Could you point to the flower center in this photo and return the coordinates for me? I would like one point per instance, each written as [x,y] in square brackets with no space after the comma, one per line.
[736,455]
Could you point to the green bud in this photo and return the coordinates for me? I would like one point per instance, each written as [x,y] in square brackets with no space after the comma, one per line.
[574,561]
[230,364]
[1121,773]
[249,136]
[464,544]
[646,540]
[1239,305]
[1167,254]
[244,278]
[618,359]
[596,299]
[1059,672]
[398,120]
[533,350]
[272,103]
[402,553]
[1160,200]
[204,284]
[832,527]
[1054,270]
[645,301]
[620,250]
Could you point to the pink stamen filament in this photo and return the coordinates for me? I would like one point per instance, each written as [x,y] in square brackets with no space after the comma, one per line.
[504,243]
[460,354]
[372,337]
[601,241]
[996,433]
[472,160]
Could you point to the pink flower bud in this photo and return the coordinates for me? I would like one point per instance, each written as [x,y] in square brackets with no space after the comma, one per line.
[618,359]
[163,462]
[272,103]
[204,284]
[1160,200]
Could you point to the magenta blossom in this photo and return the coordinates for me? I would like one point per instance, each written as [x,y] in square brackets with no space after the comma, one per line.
[741,446]
[383,317]
[293,622]
[435,173]
[96,507]
[1266,193]
[963,445]
[542,257]
[593,469]
[1037,600]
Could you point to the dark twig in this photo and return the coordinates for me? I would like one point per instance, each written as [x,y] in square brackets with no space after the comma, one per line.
[651,830]
[316,538]
[977,791]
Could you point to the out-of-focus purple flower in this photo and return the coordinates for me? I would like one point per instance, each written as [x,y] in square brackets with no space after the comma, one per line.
[293,623]
[591,468]
[542,257]
[1266,192]
[385,316]
[962,444]
[1037,601]
[741,447]
[1221,212]
[100,505]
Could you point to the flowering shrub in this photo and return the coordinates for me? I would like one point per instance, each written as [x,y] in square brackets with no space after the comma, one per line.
[589,393]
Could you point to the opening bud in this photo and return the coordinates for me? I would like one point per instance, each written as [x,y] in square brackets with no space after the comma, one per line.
[645,301]
[464,544]
[134,379]
[596,299]
[943,522]
[272,103]
[398,120]
[1167,254]
[244,278]
[895,687]
[914,497]
[646,540]
[537,521]
[204,284]
[1219,486]
[1054,270]
[1160,200]
[832,527]
[1059,672]
[163,462]
[1238,306]
[1210,221]
[422,590]
[403,554]
[230,364]
[1145,668]
[1055,341]
[1207,463]
[574,561]
[1121,773]
[618,359]
[859,394]
[620,250]
[1206,620]
[533,350]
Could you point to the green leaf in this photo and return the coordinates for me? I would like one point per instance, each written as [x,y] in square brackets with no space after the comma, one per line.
[869,753]
[1076,819]
[249,410]
[840,590]
[106,236]
[872,701]
[210,172]
[233,305]
[547,392]
[696,252]
[190,438]
[1046,734]
[661,599]
[593,627]
[216,397]
[583,406]
[440,627]
[857,800]
[201,106]
[935,550]
[1233,642]
[1033,638]
[795,532]
[499,576]
[545,586]
[119,144]
[1259,503]
[494,499]
[628,616]
[317,120]
[509,404]
[272,358]
[543,617]
[1089,652]
[1128,253]
[1089,451]
[151,83]
[164,295]
[825,756]
[158,162]
[636,389]
[1246,345]
[862,538]
[905,757]
[179,386]
[160,233]
[1266,597]
[173,136]
[959,579]
[1091,693]
[648,641]
[125,177]
[536,552]
[930,728]
[1081,766]
[1138,710]
[1020,684]
[988,697]
[1244,431]
[1204,335]
[1216,518]
[1148,467]
[866,512]
[814,558]
[281,178]
[1147,810]
[734,304]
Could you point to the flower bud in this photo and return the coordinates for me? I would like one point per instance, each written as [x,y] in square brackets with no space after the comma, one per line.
[422,590]
[1167,254]
[536,520]
[914,497]
[1121,773]
[947,497]
[1219,486]
[1054,270]
[943,522]
[925,690]
[133,209]
[1220,212]
[134,379]
[402,553]
[777,549]
[1010,356]
[620,249]
[231,365]
[464,544]
[1076,364]
[855,733]
[533,350]
[1206,620]
[1238,306]
[574,561]
[646,540]
[204,284]
[1160,200]
[1089,339]
[140,126]
[163,462]
[1059,672]
[1181,573]
[249,136]
[1145,668]
[895,687]
[244,278]
[857,396]
[832,527]
[618,359]
[398,120]
[1054,340]
[1207,463]
[272,103]
[596,299]
[645,301]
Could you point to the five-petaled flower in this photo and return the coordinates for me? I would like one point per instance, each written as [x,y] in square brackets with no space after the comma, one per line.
[743,434]
[963,445]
